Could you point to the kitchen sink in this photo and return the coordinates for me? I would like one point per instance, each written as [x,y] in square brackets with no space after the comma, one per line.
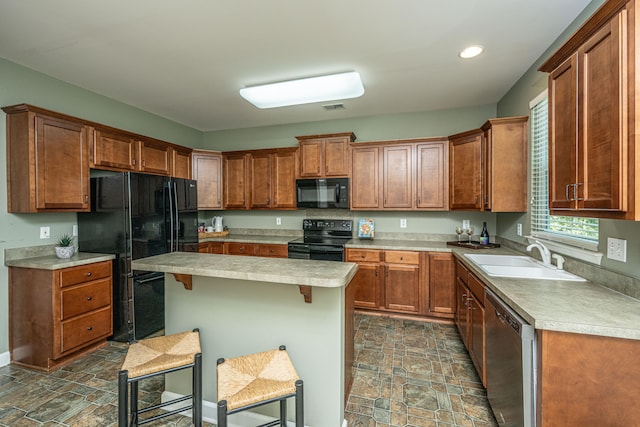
[519,266]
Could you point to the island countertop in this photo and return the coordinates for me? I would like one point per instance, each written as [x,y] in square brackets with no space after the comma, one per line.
[326,274]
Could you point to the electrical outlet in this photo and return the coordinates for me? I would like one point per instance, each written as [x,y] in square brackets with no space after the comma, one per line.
[278,221]
[45,232]
[519,229]
[465,224]
[403,222]
[617,249]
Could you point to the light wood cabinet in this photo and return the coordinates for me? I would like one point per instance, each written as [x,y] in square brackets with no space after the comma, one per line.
[211,247]
[47,161]
[114,150]
[57,316]
[235,182]
[155,157]
[324,155]
[441,298]
[402,281]
[207,170]
[256,249]
[180,162]
[240,248]
[488,167]
[367,283]
[272,178]
[400,175]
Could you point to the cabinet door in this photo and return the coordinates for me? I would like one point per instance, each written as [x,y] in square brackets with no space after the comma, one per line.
[62,165]
[466,172]
[397,177]
[336,157]
[113,150]
[284,179]
[261,172]
[366,285]
[155,157]
[311,158]
[462,311]
[235,181]
[234,248]
[562,134]
[432,176]
[602,141]
[442,291]
[207,170]
[181,163]
[364,178]
[402,288]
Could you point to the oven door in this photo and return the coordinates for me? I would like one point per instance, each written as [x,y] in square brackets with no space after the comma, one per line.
[326,252]
[298,251]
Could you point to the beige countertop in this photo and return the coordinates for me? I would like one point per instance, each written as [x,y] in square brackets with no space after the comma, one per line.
[51,262]
[327,274]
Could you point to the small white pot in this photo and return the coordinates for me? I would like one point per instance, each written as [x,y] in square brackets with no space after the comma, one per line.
[65,251]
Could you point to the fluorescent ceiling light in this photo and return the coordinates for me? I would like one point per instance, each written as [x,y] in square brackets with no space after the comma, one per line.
[305,91]
[471,52]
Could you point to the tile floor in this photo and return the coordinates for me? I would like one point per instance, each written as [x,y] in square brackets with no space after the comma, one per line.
[408,374]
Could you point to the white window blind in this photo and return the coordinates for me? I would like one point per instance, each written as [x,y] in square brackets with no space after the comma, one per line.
[578,231]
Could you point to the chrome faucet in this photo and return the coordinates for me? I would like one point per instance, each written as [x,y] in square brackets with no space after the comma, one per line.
[544,252]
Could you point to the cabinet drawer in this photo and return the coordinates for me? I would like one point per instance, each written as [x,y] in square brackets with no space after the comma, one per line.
[277,251]
[461,272]
[240,248]
[86,328]
[477,288]
[360,255]
[85,298]
[402,257]
[84,273]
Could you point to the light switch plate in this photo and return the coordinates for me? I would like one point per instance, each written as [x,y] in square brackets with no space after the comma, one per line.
[278,221]
[519,229]
[617,249]
[465,224]
[403,222]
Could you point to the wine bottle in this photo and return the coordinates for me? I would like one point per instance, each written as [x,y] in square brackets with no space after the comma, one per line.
[484,235]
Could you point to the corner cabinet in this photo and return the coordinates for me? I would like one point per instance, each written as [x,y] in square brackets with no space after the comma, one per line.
[56,316]
[47,161]
[593,82]
[324,155]
[207,170]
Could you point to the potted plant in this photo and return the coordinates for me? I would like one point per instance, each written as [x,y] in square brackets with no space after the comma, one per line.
[64,246]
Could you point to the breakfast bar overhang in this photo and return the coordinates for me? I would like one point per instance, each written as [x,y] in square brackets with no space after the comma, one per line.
[244,305]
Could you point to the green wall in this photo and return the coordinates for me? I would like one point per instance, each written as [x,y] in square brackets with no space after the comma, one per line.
[516,102]
[22,85]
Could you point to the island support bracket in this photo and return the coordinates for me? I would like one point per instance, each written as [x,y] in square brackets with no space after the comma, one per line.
[306,292]
[185,279]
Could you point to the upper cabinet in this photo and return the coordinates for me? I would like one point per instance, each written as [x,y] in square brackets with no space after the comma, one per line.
[488,167]
[114,150]
[47,161]
[400,175]
[592,120]
[236,188]
[180,162]
[325,155]
[207,170]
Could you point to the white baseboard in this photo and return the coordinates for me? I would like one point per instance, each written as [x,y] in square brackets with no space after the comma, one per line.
[5,359]
[210,415]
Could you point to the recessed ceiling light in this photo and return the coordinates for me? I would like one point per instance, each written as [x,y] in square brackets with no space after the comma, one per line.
[471,52]
[305,91]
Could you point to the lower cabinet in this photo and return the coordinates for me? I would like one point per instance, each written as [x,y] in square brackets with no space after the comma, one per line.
[56,316]
[211,247]
[470,317]
[408,282]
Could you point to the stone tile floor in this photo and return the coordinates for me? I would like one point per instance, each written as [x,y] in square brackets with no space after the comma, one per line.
[408,374]
[411,373]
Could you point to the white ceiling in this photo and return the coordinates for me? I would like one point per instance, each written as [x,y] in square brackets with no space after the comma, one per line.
[185,60]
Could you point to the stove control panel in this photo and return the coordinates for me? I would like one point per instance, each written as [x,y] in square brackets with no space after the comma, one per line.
[327,224]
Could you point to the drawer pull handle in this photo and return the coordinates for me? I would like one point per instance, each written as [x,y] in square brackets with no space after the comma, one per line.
[89,274]
[90,328]
[89,298]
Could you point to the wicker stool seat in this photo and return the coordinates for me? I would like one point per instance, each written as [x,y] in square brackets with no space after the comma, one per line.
[157,356]
[246,382]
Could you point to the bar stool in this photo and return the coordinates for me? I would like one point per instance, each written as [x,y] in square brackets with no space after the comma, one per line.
[247,382]
[157,356]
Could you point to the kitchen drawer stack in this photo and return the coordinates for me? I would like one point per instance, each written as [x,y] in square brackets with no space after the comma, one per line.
[58,315]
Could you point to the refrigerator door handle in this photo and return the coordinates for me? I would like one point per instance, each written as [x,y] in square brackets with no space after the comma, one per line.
[171,223]
[177,222]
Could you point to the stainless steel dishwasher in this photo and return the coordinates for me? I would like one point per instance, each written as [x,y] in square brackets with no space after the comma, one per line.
[510,352]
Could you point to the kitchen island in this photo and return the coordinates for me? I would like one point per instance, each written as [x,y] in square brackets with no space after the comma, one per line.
[246,305]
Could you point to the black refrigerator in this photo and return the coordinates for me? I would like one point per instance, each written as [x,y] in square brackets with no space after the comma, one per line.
[135,216]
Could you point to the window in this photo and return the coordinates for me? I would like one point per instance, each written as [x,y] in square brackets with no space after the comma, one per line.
[574,231]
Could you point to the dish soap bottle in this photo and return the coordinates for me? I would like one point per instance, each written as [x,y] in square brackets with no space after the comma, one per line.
[484,235]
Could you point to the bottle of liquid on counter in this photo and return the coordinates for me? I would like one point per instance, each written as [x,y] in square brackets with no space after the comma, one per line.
[484,235]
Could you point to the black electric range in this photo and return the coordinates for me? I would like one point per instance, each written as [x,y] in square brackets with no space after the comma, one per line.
[323,239]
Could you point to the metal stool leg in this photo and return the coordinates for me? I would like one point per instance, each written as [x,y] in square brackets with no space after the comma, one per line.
[283,412]
[197,390]
[134,402]
[299,404]
[222,413]
[122,399]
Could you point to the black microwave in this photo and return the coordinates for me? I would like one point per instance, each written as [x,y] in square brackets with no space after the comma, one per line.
[323,193]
